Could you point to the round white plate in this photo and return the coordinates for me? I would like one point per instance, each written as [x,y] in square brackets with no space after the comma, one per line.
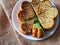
[17,23]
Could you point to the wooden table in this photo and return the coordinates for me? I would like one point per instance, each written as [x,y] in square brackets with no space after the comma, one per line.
[7,35]
[53,40]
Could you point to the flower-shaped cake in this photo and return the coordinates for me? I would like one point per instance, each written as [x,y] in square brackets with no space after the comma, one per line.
[36,16]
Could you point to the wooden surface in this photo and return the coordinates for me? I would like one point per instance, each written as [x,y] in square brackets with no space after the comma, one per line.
[53,40]
[7,35]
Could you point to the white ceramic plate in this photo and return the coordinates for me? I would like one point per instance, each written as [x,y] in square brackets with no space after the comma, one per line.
[17,23]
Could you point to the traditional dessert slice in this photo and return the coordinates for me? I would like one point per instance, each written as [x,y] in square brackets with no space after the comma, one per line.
[26,27]
[52,12]
[26,12]
[41,6]
[37,31]
[46,21]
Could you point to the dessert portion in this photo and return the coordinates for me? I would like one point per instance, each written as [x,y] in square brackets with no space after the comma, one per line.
[26,27]
[52,12]
[41,6]
[36,17]
[46,22]
[26,12]
[45,13]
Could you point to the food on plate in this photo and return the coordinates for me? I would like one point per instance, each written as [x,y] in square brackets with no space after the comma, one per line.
[40,33]
[45,13]
[35,2]
[37,31]
[46,22]
[46,18]
[22,16]
[41,6]
[36,17]
[26,12]
[52,12]
[26,27]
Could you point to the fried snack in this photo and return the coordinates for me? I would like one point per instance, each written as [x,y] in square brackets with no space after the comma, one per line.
[46,21]
[26,27]
[52,12]
[26,12]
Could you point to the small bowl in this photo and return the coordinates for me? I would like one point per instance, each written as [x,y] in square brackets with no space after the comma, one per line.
[17,23]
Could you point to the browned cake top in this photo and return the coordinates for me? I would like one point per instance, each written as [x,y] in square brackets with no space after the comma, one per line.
[26,12]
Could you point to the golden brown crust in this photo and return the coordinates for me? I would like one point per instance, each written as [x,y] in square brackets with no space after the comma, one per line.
[26,27]
[56,13]
[51,26]
[41,7]
[25,4]
[44,6]
[26,12]
[22,16]
[35,2]
[45,14]
[45,21]
[52,12]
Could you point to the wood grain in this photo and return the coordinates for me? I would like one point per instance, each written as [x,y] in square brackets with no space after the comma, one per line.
[53,40]
[7,35]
